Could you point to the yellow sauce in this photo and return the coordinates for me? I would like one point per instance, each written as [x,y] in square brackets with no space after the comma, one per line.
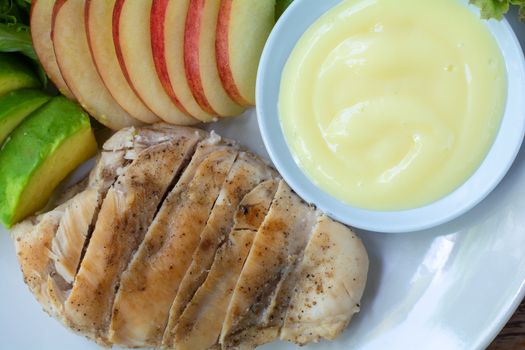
[393,104]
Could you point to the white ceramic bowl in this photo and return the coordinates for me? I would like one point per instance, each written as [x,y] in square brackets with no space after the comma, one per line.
[290,27]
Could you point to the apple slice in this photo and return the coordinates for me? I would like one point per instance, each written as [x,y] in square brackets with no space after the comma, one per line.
[78,69]
[167,39]
[242,31]
[201,61]
[41,23]
[132,39]
[98,17]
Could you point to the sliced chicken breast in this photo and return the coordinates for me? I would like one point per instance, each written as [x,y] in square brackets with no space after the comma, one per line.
[279,243]
[180,240]
[33,239]
[64,243]
[43,242]
[331,280]
[247,172]
[200,324]
[126,213]
[81,214]
[68,242]
[138,139]
[161,262]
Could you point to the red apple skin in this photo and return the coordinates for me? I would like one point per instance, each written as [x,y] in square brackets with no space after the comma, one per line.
[87,15]
[223,54]
[191,54]
[157,27]
[53,72]
[58,5]
[86,25]
[116,37]
[116,25]
[158,16]
[101,106]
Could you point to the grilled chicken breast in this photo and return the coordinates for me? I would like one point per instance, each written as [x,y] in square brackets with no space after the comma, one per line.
[80,214]
[181,240]
[33,239]
[72,232]
[330,283]
[175,233]
[200,325]
[246,173]
[125,215]
[53,233]
[278,244]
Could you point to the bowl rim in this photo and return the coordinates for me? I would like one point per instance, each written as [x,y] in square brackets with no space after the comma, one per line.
[289,28]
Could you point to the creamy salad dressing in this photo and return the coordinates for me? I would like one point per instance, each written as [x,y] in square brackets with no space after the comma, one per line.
[393,104]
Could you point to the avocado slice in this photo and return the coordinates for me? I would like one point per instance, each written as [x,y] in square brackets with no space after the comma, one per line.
[17,105]
[39,154]
[16,74]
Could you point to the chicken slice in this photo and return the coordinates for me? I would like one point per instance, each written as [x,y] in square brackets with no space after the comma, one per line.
[278,245]
[81,214]
[247,172]
[125,215]
[161,261]
[146,136]
[33,239]
[68,242]
[331,281]
[200,324]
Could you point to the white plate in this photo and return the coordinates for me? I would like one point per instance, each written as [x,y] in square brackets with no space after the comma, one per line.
[449,288]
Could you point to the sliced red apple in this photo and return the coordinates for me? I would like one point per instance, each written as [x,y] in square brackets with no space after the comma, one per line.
[242,30]
[41,24]
[98,17]
[78,69]
[132,39]
[201,61]
[167,39]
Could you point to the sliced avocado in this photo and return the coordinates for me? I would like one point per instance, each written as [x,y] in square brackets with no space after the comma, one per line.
[15,106]
[16,74]
[39,154]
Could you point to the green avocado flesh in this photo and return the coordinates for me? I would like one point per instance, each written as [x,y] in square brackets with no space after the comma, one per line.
[39,154]
[17,105]
[15,74]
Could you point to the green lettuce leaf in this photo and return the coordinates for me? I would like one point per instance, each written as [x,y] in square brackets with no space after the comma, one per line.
[15,34]
[281,6]
[498,8]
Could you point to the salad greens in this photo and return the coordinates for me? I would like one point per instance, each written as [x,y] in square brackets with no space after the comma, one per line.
[497,8]
[281,6]
[15,35]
